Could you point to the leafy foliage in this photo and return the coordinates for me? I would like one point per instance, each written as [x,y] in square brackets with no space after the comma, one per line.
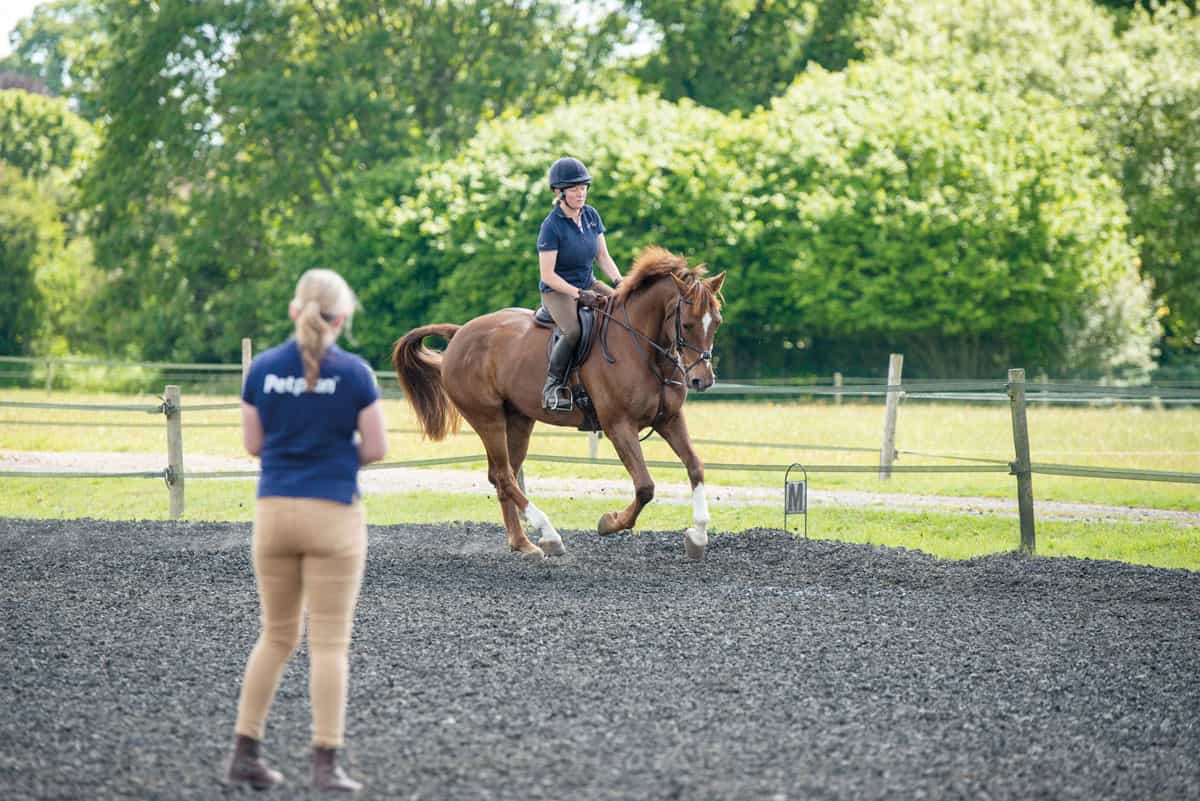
[44,256]
[701,44]
[234,132]
[1146,116]
[39,134]
[963,180]
[462,240]
[62,47]
[972,230]
[1137,91]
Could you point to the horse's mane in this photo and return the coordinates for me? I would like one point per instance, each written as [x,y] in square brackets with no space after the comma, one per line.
[655,263]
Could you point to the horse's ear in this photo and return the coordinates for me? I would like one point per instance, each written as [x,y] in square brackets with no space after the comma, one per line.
[714,283]
[685,287]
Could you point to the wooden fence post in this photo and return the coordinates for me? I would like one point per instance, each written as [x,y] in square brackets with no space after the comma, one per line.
[887,453]
[173,411]
[837,383]
[247,355]
[1021,466]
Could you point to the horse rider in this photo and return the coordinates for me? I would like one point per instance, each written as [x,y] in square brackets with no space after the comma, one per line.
[570,240]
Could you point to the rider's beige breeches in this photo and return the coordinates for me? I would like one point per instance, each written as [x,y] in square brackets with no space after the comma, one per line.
[309,556]
[563,308]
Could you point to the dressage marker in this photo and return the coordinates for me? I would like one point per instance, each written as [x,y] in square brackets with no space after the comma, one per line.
[795,496]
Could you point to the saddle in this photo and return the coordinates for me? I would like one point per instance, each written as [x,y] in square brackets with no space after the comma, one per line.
[576,394]
[587,332]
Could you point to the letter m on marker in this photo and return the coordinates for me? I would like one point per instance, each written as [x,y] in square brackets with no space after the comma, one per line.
[796,499]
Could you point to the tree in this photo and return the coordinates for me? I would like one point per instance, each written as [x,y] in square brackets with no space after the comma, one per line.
[61,46]
[44,257]
[1145,116]
[234,131]
[725,54]
[1138,91]
[973,230]
[20,304]
[39,135]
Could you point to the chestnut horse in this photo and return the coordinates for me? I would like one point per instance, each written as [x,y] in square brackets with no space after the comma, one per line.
[655,343]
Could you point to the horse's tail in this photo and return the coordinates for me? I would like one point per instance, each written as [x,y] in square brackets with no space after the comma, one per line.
[419,370]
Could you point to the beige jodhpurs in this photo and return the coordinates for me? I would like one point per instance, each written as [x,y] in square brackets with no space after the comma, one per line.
[563,308]
[309,556]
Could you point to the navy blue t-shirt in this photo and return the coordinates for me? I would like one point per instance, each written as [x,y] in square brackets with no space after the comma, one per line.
[576,248]
[308,437]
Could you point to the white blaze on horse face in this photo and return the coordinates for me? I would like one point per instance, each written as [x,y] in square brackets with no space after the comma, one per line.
[700,508]
[707,320]
[538,520]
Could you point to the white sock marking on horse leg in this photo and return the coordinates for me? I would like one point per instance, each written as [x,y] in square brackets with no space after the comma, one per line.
[538,520]
[700,513]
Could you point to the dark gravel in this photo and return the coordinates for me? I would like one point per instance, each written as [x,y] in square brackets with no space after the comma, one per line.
[776,669]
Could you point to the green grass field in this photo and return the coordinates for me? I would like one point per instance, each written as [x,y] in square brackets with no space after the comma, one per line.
[770,435]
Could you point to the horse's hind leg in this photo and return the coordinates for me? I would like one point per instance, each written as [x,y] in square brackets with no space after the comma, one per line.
[492,431]
[519,429]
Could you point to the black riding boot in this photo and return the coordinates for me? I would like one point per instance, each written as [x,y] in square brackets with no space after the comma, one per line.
[555,396]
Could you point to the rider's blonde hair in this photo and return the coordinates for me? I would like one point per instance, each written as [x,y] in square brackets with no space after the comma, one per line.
[322,296]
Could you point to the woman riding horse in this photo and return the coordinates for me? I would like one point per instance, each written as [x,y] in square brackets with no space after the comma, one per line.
[655,346]
[570,240]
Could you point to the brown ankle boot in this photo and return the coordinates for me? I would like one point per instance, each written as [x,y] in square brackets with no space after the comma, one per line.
[245,765]
[328,775]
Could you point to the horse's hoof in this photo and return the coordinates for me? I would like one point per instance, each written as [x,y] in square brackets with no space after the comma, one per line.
[608,524]
[695,544]
[553,547]
[531,552]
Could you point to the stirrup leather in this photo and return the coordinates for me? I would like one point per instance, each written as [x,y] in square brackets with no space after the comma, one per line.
[558,398]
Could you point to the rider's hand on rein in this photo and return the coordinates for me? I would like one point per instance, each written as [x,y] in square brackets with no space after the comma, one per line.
[589,298]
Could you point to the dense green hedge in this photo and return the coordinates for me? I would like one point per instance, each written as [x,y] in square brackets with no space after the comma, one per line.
[456,239]
[971,230]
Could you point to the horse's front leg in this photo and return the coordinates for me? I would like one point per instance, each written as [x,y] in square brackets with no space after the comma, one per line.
[624,438]
[674,431]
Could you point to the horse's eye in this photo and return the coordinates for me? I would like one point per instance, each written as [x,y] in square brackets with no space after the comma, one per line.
[688,326]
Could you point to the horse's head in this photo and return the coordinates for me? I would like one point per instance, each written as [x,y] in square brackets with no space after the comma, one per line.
[682,315]
[696,318]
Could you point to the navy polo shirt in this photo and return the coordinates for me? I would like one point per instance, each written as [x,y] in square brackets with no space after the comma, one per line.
[576,247]
[308,437]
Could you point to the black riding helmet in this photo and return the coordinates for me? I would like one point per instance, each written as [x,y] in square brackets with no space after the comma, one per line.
[568,172]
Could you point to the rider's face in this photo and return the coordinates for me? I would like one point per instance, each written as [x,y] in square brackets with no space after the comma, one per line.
[576,195]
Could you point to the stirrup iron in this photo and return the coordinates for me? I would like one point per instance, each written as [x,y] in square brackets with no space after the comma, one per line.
[558,399]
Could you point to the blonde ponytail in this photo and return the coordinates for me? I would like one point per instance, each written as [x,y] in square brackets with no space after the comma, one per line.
[321,297]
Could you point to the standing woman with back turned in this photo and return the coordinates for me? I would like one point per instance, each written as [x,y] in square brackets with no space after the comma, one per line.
[302,404]
[570,240]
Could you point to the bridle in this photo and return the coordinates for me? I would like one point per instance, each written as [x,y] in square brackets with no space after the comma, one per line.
[681,343]
[673,353]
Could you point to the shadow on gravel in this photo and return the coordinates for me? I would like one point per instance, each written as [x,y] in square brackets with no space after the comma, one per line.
[776,669]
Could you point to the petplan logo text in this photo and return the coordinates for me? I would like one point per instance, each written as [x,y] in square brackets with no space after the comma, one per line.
[295,385]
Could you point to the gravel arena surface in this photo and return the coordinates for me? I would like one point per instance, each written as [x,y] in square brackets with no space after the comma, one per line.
[776,669]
